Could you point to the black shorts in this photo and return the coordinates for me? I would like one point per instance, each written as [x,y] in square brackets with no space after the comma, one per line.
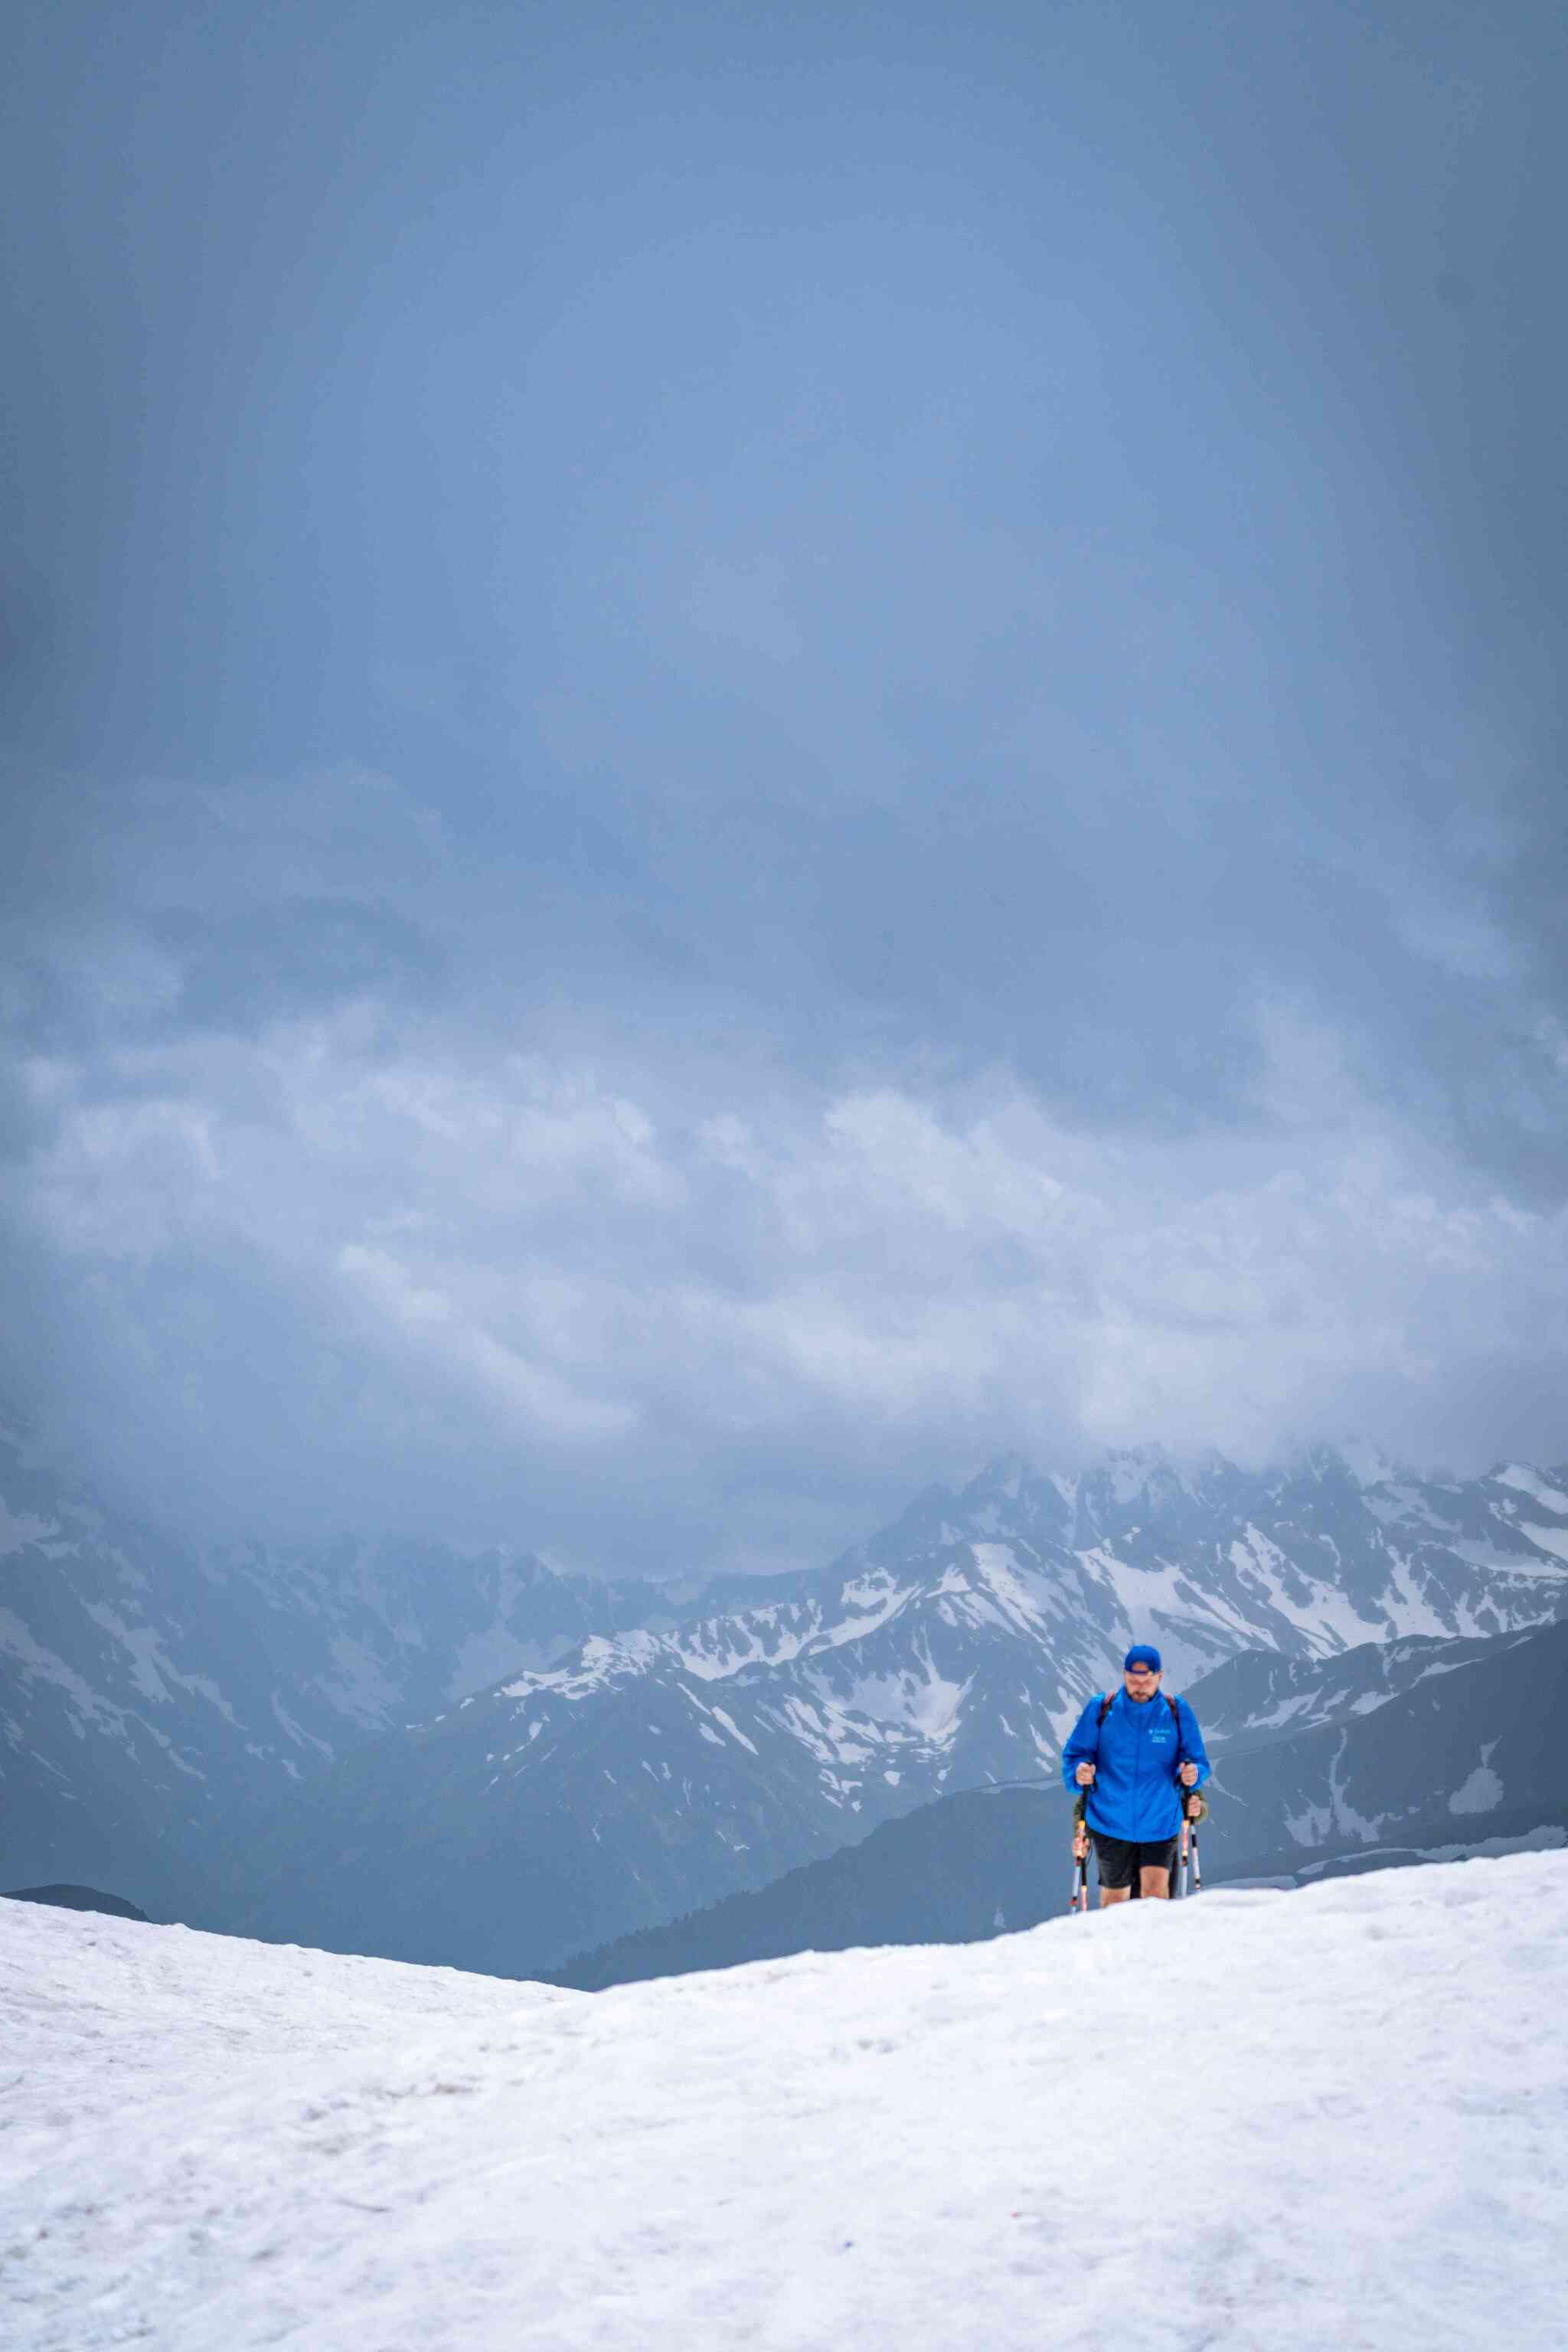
[1120,1859]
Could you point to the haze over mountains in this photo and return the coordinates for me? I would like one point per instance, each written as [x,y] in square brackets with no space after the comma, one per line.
[156,1697]
[465,1756]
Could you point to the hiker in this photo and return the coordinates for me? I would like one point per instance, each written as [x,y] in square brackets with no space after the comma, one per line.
[1134,1752]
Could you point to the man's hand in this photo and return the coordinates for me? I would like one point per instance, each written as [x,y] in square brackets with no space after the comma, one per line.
[1189,1776]
[1085,1774]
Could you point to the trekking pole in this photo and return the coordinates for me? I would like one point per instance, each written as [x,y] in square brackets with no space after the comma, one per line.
[1079,1863]
[1191,1871]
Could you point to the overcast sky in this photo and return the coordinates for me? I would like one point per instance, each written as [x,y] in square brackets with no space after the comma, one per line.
[751,747]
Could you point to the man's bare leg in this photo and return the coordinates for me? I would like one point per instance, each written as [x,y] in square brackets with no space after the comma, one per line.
[1153,1885]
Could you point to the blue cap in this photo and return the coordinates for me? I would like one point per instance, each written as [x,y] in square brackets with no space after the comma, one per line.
[1142,1653]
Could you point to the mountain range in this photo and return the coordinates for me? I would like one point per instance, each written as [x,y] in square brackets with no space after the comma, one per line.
[465,1756]
[158,1697]
[1426,1749]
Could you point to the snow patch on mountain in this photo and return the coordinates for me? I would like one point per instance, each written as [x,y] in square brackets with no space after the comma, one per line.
[1311,1825]
[852,1627]
[1346,1819]
[1399,1506]
[595,1662]
[20,1528]
[1486,1552]
[1482,1792]
[733,1730]
[301,1738]
[922,1700]
[1326,1616]
[88,1708]
[1530,1481]
[1413,1608]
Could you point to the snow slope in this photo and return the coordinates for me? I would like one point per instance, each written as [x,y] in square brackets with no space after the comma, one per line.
[1357,2137]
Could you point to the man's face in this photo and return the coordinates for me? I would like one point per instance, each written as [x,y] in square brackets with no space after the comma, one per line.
[1140,1682]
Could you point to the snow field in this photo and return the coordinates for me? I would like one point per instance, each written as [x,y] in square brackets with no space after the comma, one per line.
[1261,2120]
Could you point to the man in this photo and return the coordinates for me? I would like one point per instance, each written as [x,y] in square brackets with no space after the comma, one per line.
[1134,1755]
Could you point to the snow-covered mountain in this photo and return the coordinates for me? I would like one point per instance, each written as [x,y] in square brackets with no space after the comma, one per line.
[1388,1753]
[587,1758]
[1260,1696]
[649,1774]
[1468,1751]
[1336,2117]
[157,1698]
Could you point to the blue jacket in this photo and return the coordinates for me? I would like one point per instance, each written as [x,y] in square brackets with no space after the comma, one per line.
[1136,1750]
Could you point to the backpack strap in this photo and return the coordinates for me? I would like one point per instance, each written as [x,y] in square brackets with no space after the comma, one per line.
[1079,1813]
[1189,1796]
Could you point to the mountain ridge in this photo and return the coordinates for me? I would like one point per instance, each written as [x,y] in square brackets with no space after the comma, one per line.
[315,1739]
[1410,1777]
[955,1645]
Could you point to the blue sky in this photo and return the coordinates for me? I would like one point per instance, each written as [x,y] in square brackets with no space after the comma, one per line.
[749,748]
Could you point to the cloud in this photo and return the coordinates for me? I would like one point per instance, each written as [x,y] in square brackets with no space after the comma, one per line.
[513,1295]
[545,1404]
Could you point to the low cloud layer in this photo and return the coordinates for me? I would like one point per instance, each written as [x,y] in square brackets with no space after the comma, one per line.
[341,1270]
